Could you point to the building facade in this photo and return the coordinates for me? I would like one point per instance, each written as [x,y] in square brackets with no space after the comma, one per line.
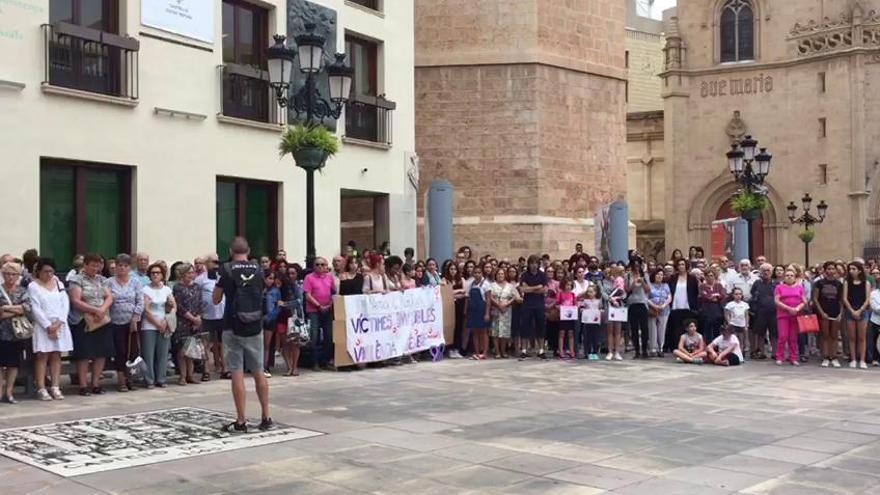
[150,126]
[520,105]
[645,164]
[800,76]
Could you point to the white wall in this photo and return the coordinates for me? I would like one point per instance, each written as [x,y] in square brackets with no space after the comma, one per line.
[175,160]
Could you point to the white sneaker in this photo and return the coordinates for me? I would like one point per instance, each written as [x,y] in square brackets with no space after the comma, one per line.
[618,357]
[835,363]
[42,394]
[863,365]
[454,354]
[825,363]
[795,363]
[853,364]
[267,374]
[609,356]
[778,363]
[56,394]
[875,363]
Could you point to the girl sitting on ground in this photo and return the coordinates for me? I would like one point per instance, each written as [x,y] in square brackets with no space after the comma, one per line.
[691,346]
[725,350]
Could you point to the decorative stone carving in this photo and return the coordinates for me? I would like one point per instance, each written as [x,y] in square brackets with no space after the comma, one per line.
[674,46]
[844,20]
[300,13]
[736,129]
[412,170]
[851,28]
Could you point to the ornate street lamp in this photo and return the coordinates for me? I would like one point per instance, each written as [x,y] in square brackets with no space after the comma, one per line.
[749,169]
[807,220]
[308,101]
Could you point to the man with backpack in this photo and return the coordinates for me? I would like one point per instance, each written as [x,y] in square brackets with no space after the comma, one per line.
[241,282]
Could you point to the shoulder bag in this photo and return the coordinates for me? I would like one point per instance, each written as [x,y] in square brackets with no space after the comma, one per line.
[22,328]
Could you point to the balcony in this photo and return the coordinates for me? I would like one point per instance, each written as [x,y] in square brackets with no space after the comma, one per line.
[369,118]
[247,95]
[90,61]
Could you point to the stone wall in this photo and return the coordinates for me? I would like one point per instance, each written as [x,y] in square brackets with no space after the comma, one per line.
[520,104]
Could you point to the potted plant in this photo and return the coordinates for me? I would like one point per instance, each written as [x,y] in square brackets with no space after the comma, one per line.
[748,205]
[807,236]
[309,145]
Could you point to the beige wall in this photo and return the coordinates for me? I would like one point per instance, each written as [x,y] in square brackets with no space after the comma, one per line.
[176,160]
[782,112]
[643,75]
[517,101]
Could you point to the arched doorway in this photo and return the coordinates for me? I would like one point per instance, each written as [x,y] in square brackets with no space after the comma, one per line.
[757,233]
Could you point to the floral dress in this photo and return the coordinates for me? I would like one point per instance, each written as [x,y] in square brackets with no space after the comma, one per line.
[189,300]
[501,320]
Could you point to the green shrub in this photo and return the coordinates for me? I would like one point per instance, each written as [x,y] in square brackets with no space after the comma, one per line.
[300,137]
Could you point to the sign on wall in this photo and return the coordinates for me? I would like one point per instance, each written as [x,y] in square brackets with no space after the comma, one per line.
[190,18]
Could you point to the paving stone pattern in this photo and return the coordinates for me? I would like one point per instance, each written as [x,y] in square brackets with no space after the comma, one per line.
[652,428]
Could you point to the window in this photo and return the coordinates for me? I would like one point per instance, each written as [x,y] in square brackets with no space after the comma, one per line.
[822,127]
[95,14]
[250,209]
[370,4]
[245,33]
[246,93]
[362,56]
[737,31]
[821,82]
[84,208]
[823,174]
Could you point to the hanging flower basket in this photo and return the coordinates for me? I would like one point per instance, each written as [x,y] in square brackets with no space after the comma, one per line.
[748,205]
[309,145]
[807,236]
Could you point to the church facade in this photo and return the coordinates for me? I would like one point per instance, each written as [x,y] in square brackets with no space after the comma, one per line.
[803,78]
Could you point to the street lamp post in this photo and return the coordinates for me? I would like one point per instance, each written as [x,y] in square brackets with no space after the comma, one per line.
[308,100]
[749,169]
[807,220]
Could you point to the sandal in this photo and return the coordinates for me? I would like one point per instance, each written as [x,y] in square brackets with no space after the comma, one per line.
[181,382]
[206,377]
[191,381]
[122,388]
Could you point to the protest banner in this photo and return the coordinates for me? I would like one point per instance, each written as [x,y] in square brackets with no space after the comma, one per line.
[377,327]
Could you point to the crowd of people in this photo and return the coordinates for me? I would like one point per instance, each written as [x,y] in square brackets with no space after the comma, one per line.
[144,318]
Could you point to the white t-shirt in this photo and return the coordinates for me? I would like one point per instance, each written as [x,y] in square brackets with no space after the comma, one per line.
[158,298]
[680,298]
[485,287]
[722,345]
[738,312]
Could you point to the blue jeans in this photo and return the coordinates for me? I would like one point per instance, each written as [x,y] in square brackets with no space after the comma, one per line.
[321,337]
[154,350]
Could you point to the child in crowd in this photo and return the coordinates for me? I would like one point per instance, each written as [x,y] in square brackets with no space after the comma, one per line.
[736,314]
[691,346]
[615,299]
[566,297]
[591,320]
[725,349]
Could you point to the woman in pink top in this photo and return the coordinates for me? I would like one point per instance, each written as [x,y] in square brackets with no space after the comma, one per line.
[790,301]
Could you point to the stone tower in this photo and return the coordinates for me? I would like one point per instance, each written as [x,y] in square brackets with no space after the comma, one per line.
[521,105]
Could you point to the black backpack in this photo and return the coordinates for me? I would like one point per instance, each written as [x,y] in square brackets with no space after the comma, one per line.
[247,304]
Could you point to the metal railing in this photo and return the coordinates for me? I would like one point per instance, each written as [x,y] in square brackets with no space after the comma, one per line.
[247,94]
[86,59]
[369,118]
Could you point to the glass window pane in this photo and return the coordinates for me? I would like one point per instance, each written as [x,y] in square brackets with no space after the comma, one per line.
[103,203]
[746,34]
[362,55]
[57,214]
[61,11]
[246,37]
[728,35]
[92,14]
[257,219]
[226,217]
[228,33]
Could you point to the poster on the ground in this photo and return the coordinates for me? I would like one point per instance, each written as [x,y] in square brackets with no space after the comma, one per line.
[92,445]
[378,327]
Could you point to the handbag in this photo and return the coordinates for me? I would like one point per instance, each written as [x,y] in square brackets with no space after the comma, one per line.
[22,327]
[618,313]
[93,322]
[297,330]
[137,367]
[171,320]
[193,348]
[808,324]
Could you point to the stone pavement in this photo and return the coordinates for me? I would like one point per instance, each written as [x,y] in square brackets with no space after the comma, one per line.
[633,427]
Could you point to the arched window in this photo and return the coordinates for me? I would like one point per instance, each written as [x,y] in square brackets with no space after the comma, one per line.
[737,31]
